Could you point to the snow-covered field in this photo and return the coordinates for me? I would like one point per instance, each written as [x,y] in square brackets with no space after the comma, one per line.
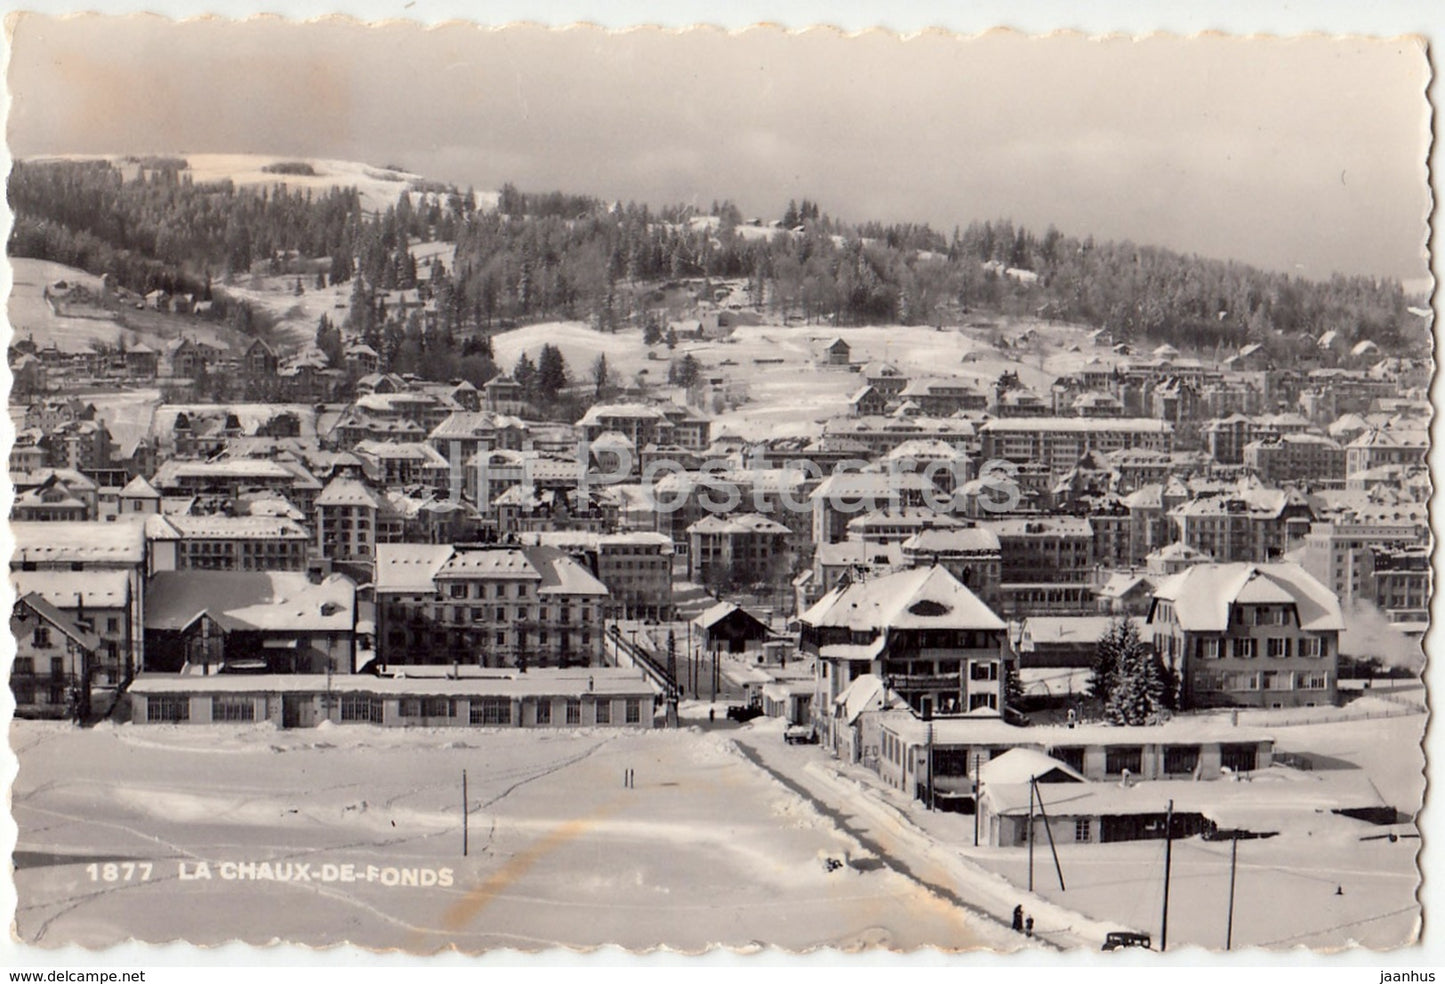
[777,368]
[706,849]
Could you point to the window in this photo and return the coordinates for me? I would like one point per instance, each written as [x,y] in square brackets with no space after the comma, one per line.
[544,712]
[1180,759]
[112,625]
[1281,615]
[459,590]
[1245,649]
[40,639]
[983,670]
[1310,646]
[1261,615]
[1314,681]
[574,711]
[1277,648]
[233,709]
[361,708]
[989,700]
[501,638]
[24,666]
[634,711]
[1082,830]
[604,712]
[491,710]
[1208,648]
[171,708]
[1119,758]
[410,707]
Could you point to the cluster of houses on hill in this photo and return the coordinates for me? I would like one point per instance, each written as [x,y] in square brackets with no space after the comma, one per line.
[425,553]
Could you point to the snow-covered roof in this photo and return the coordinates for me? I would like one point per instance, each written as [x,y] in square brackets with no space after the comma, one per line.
[409,568]
[1063,630]
[347,492]
[921,598]
[1184,729]
[236,527]
[738,524]
[263,601]
[139,488]
[78,542]
[536,682]
[1202,595]
[94,589]
[714,614]
[1023,764]
[1142,425]
[865,693]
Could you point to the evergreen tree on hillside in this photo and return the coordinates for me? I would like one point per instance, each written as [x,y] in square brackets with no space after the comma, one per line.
[551,373]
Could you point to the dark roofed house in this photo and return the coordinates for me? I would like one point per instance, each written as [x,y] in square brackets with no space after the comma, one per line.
[837,353]
[249,621]
[727,628]
[54,654]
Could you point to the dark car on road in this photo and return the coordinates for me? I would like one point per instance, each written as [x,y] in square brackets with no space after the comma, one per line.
[1124,941]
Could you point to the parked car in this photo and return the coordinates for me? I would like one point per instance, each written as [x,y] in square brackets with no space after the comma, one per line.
[1123,941]
[739,712]
[800,734]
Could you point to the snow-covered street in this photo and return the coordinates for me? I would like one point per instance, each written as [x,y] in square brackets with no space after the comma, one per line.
[706,848]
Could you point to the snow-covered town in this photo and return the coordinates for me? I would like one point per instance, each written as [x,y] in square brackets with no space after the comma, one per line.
[416,566]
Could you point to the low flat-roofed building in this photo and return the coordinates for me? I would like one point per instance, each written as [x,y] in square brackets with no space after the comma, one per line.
[1183,747]
[595,697]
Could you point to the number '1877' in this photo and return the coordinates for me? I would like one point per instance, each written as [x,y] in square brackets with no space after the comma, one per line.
[124,871]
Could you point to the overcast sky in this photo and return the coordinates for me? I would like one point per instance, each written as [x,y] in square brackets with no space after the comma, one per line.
[1306,155]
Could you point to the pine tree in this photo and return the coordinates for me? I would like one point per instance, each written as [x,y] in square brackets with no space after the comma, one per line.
[1013,687]
[1106,661]
[1138,695]
[551,372]
[601,376]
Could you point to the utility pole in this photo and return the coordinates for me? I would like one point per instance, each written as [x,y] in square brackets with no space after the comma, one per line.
[976,797]
[928,718]
[1168,860]
[1049,830]
[1031,833]
[1233,866]
[464,813]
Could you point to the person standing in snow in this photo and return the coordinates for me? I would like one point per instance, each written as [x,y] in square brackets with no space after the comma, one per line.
[1018,926]
[1029,927]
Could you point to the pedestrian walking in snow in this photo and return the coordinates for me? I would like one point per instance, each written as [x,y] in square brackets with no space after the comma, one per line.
[1029,926]
[1018,919]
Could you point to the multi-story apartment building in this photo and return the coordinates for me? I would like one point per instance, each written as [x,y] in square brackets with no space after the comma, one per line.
[737,549]
[1058,443]
[1342,555]
[226,543]
[346,520]
[1401,583]
[1252,635]
[56,548]
[463,434]
[486,606]
[635,567]
[973,555]
[1297,459]
[1381,446]
[1252,524]
[930,639]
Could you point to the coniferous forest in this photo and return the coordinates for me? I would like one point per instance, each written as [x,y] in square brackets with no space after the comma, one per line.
[550,256]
